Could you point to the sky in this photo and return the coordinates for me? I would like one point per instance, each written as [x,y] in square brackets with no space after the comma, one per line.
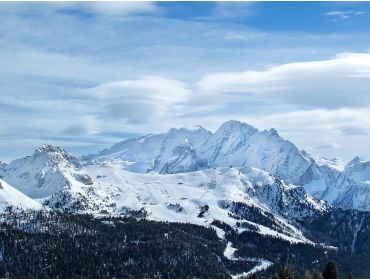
[86,75]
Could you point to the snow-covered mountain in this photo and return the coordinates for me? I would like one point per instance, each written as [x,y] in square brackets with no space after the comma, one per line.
[238,176]
[183,150]
[50,170]
[237,180]
[10,196]
[51,176]
[248,196]
[359,170]
[201,197]
[171,152]
[41,174]
[241,145]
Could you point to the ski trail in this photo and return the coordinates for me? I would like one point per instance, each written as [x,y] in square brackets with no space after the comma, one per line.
[262,264]
[357,228]
[229,252]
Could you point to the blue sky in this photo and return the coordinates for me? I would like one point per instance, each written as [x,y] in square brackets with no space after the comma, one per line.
[85,75]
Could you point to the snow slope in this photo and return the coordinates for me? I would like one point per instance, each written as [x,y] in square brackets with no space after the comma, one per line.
[10,196]
[204,196]
[245,195]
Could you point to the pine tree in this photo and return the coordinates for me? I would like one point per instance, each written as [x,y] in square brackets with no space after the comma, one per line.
[307,275]
[285,272]
[316,275]
[254,275]
[330,271]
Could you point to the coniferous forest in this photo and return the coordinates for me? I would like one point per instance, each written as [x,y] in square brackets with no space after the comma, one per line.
[49,244]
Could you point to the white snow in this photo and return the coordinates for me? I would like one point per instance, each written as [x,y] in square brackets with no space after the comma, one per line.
[10,196]
[234,164]
[239,145]
[108,188]
[229,251]
[335,163]
[262,264]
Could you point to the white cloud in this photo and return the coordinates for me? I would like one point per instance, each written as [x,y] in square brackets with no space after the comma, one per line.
[235,9]
[351,130]
[121,7]
[141,100]
[110,8]
[328,146]
[336,83]
[343,15]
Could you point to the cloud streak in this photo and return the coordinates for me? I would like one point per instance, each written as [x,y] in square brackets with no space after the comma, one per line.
[343,15]
[335,83]
[107,8]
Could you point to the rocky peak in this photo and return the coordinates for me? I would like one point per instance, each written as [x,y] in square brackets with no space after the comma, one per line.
[233,126]
[54,155]
[356,160]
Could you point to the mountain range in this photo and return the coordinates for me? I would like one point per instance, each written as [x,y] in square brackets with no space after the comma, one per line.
[238,177]
[241,145]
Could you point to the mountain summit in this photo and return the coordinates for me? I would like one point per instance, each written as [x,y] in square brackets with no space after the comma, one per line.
[241,145]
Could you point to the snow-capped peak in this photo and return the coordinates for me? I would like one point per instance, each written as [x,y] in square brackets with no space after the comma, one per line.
[54,155]
[233,126]
[240,145]
[48,148]
[182,150]
[42,173]
[355,160]
[193,127]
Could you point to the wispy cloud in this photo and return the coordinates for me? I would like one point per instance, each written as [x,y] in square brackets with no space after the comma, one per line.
[318,84]
[328,146]
[343,15]
[110,8]
[352,130]
[235,9]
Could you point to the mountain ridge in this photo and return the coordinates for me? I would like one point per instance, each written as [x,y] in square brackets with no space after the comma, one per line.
[189,149]
[239,144]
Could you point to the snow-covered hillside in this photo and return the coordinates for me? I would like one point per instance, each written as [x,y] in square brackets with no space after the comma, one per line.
[243,198]
[212,194]
[10,196]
